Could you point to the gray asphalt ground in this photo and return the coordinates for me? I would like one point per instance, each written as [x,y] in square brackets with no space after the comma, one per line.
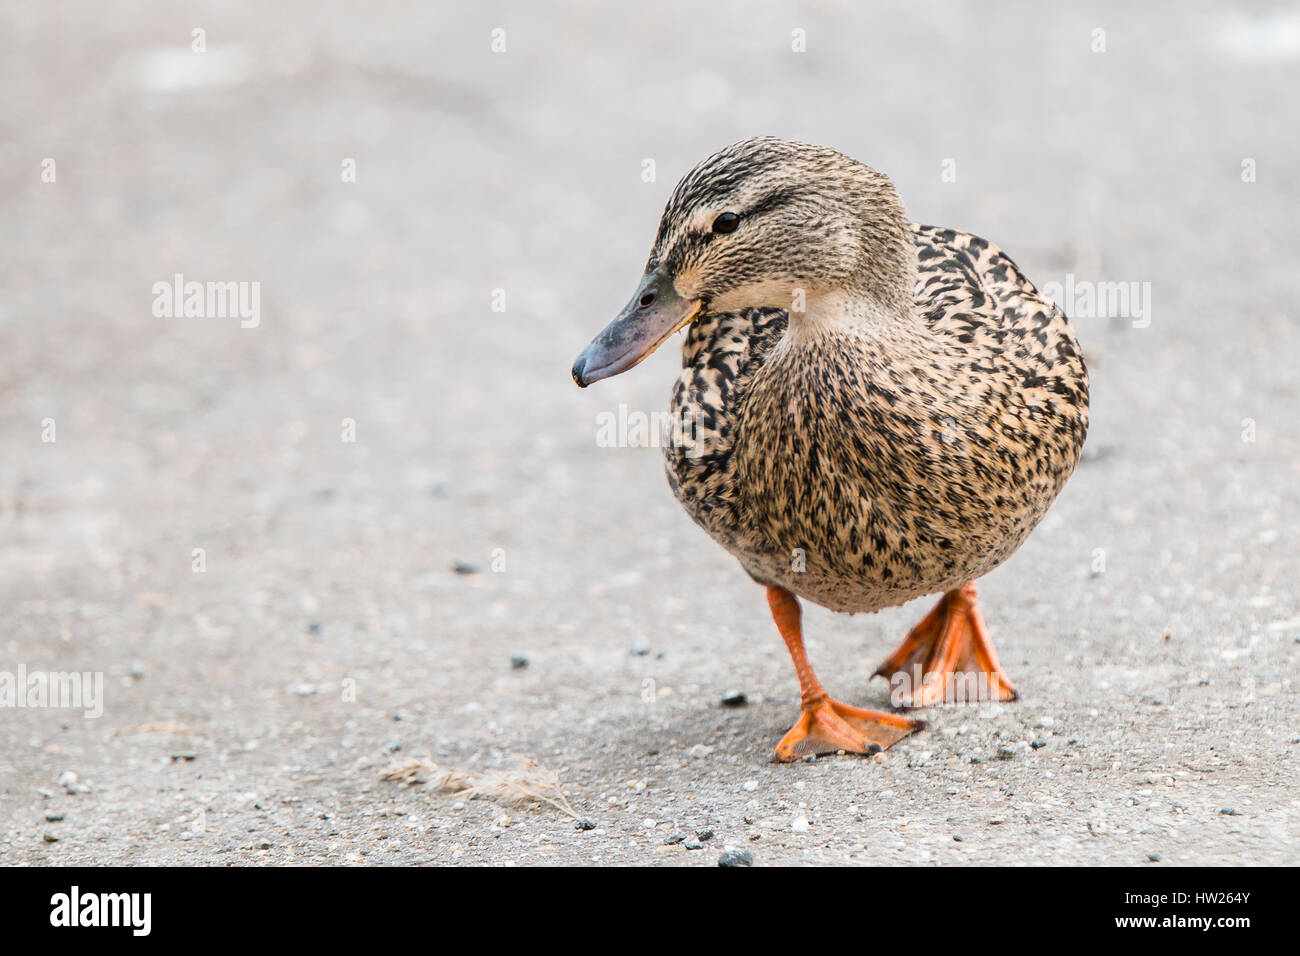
[251,708]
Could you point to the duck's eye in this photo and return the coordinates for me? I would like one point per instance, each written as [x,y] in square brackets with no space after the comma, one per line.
[726,223]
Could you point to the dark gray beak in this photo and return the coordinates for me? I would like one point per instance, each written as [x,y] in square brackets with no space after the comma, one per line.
[655,312]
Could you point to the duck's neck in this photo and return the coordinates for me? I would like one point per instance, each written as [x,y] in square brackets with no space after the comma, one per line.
[878,293]
[840,310]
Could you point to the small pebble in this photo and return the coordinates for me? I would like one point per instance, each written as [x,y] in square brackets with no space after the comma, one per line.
[639,649]
[264,845]
[749,786]
[137,670]
[675,839]
[50,837]
[1228,812]
[52,817]
[736,858]
[694,845]
[1153,857]
[957,837]
[313,628]
[700,750]
[704,836]
[464,567]
[734,699]
[1038,744]
[585,824]
[800,825]
[518,661]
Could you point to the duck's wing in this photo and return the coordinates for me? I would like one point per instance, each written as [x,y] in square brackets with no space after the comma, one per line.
[975,297]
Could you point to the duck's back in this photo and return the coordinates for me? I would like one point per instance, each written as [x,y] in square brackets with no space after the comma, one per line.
[860,473]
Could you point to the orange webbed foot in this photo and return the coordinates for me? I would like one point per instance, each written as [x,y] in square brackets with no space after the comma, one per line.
[948,658]
[828,726]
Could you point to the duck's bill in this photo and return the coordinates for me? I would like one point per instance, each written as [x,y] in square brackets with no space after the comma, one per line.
[638,330]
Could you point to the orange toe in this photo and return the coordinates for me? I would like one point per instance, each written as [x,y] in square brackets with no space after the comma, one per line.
[828,726]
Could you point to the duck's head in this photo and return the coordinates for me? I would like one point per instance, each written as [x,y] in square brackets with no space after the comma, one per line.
[764,223]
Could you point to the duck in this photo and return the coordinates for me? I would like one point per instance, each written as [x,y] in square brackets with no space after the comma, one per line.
[869,411]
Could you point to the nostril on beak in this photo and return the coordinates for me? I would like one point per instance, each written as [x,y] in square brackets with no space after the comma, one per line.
[648,298]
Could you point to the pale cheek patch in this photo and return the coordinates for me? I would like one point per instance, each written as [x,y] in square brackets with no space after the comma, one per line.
[764,294]
[687,283]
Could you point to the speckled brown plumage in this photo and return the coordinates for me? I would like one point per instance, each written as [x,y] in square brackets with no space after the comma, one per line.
[889,461]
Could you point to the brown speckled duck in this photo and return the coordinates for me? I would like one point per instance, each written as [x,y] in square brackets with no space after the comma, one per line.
[871,410]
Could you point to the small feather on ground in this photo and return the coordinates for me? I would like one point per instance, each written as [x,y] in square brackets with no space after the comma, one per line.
[527,782]
[157,727]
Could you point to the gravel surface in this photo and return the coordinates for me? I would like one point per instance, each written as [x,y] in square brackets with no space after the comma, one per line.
[280,615]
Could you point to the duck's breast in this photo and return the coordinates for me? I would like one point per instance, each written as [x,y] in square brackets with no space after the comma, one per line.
[874,468]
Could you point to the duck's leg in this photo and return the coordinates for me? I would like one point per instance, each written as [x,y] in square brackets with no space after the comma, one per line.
[947,658]
[826,725]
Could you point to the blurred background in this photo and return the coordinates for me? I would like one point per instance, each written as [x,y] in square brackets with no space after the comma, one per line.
[389,479]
